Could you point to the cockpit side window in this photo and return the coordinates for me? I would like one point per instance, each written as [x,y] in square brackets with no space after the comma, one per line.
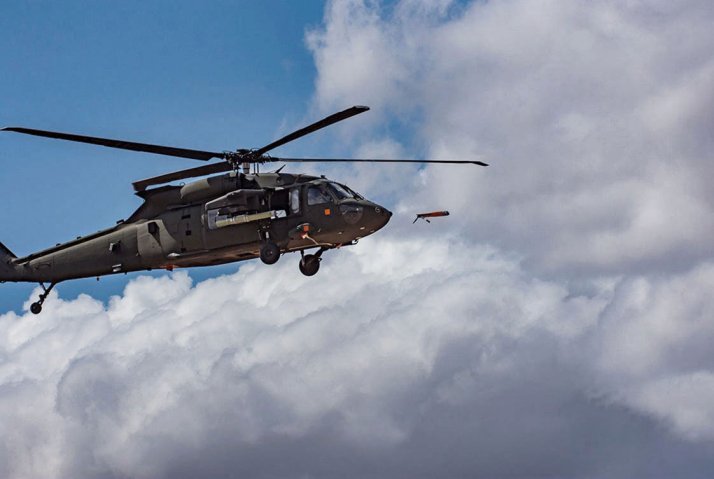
[317,196]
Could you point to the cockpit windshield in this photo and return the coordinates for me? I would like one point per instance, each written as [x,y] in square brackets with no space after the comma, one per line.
[341,192]
[354,193]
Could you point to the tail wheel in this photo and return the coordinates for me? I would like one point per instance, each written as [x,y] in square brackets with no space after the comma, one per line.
[269,253]
[309,265]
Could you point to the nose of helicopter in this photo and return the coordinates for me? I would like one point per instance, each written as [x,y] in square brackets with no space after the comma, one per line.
[378,217]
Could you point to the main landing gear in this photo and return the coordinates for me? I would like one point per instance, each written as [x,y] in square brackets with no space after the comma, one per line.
[310,263]
[36,308]
[269,253]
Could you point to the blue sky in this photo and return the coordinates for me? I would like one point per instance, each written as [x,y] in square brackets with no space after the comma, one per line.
[214,75]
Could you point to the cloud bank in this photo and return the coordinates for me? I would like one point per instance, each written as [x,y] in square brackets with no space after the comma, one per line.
[558,324]
[386,366]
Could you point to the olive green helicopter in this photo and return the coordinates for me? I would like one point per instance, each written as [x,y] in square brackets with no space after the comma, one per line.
[238,215]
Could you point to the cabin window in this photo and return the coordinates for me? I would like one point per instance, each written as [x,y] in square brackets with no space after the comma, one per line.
[280,201]
[295,201]
[212,217]
[317,196]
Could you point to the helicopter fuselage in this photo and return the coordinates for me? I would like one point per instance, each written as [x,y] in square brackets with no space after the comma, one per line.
[212,221]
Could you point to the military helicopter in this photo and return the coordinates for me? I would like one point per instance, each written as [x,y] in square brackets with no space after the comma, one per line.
[235,216]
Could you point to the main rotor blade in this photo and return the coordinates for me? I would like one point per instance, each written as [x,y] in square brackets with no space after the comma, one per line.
[182,175]
[121,144]
[373,160]
[223,167]
[343,115]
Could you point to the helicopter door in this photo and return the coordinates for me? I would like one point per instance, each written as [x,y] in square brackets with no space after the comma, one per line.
[189,231]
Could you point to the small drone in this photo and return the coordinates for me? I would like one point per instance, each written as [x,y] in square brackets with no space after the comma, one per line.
[426,216]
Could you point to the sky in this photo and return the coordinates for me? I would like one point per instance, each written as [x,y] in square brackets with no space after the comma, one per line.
[557,324]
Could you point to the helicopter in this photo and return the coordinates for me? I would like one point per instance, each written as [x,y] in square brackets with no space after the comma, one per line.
[238,215]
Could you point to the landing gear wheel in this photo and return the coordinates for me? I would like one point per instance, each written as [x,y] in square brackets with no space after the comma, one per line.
[269,253]
[36,308]
[309,265]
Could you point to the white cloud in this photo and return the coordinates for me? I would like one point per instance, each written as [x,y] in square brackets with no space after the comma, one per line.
[388,351]
[685,401]
[596,118]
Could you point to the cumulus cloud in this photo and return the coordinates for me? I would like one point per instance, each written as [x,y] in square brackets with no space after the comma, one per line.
[596,118]
[386,365]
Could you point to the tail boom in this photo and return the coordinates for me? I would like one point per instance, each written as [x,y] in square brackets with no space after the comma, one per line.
[7,268]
